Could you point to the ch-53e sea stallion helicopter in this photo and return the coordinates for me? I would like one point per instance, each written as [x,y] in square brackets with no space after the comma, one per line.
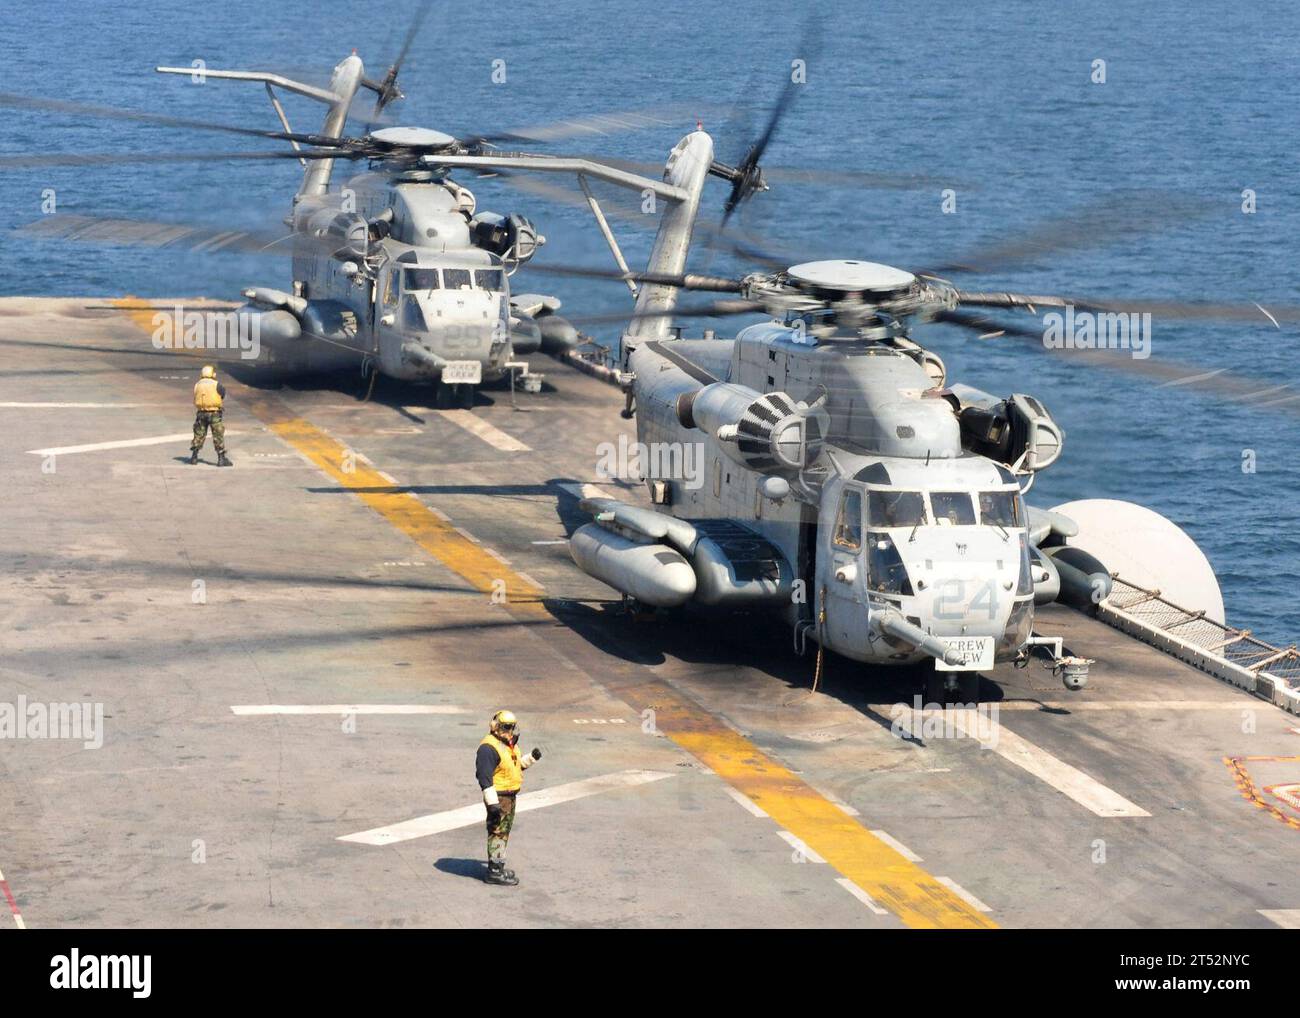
[846,483]
[395,270]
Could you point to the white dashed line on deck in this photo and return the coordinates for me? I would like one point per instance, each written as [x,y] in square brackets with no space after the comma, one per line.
[861,895]
[479,428]
[802,849]
[746,803]
[897,846]
[964,894]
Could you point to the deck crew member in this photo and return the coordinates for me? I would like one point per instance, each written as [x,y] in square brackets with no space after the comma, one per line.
[209,398]
[500,772]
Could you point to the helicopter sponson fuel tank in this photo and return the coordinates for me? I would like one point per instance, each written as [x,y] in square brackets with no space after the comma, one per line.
[666,562]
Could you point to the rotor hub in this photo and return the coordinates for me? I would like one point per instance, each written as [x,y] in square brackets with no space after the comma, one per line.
[843,276]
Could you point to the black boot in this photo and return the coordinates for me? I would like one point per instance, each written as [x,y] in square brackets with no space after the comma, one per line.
[223,460]
[194,456]
[498,874]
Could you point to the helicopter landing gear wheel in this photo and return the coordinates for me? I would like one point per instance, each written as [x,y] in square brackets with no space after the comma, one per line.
[952,687]
[441,395]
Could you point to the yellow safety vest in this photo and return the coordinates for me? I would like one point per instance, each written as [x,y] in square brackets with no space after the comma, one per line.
[509,775]
[206,396]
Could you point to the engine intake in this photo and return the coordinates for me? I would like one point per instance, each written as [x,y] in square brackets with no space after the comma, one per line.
[771,433]
[1017,431]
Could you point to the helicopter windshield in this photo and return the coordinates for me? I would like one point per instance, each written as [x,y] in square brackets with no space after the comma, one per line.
[489,279]
[895,508]
[886,573]
[420,279]
[412,316]
[1000,508]
[953,508]
[457,279]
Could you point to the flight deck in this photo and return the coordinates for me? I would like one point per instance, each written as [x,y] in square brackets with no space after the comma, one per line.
[296,659]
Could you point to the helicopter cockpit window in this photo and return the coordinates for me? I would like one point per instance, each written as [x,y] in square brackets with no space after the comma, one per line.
[489,279]
[419,280]
[457,279]
[412,316]
[886,573]
[895,508]
[848,524]
[1000,509]
[953,508]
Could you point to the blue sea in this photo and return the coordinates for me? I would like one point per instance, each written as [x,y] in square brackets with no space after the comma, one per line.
[995,100]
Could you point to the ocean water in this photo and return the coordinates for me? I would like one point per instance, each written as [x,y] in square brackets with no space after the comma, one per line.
[994,100]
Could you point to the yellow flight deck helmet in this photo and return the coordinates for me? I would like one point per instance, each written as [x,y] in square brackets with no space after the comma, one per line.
[208,371]
[504,725]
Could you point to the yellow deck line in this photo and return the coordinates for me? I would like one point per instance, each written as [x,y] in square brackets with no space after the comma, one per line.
[403,510]
[894,882]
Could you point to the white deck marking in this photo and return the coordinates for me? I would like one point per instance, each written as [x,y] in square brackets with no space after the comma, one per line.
[469,816]
[128,443]
[746,803]
[1086,791]
[861,895]
[1092,705]
[835,800]
[480,428]
[561,541]
[1287,918]
[801,848]
[585,490]
[76,406]
[262,709]
[897,846]
[964,894]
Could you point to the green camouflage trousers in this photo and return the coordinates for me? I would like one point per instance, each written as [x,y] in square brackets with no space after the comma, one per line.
[498,834]
[204,420]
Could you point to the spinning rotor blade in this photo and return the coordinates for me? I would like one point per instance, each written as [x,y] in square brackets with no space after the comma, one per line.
[1185,310]
[748,178]
[26,102]
[1096,224]
[602,124]
[686,281]
[719,309]
[126,158]
[1221,382]
[388,90]
[143,233]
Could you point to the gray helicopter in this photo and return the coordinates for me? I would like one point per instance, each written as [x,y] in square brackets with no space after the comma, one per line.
[845,483]
[395,270]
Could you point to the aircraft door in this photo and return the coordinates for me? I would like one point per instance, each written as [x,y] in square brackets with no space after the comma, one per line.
[388,333]
[841,571]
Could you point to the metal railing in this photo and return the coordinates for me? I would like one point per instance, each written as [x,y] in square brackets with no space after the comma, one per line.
[1232,654]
